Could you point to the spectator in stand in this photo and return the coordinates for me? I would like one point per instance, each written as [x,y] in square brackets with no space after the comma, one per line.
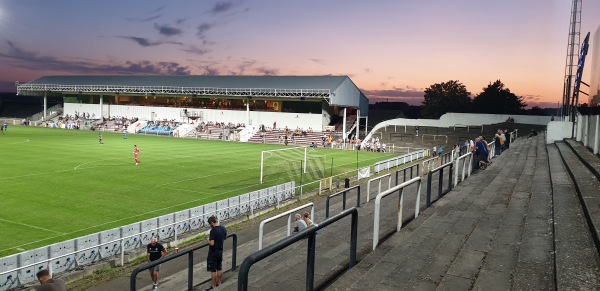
[507,136]
[434,152]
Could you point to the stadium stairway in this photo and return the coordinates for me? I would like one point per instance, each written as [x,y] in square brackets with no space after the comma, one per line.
[498,230]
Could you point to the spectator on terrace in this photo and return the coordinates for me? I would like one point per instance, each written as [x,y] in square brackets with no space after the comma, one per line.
[498,142]
[306,219]
[487,145]
[507,136]
[48,283]
[480,153]
[300,224]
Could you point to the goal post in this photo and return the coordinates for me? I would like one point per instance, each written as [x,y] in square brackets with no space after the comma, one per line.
[290,162]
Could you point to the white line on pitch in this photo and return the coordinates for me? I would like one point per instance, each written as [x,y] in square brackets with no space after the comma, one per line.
[32,226]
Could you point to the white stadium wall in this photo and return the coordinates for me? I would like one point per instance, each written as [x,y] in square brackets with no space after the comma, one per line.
[472,119]
[558,130]
[291,120]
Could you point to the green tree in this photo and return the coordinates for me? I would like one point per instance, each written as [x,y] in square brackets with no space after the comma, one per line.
[497,99]
[451,96]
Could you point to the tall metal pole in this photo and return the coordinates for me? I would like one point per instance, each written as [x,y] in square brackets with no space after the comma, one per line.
[572,51]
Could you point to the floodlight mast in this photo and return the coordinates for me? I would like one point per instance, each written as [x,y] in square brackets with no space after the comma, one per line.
[572,51]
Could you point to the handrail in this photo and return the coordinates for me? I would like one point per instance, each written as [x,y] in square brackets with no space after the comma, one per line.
[190,253]
[469,166]
[289,214]
[434,136]
[400,203]
[491,152]
[343,192]
[429,162]
[467,126]
[440,182]
[404,172]
[446,157]
[379,189]
[309,232]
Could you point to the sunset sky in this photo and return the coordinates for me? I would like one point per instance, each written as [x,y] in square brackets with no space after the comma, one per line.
[390,49]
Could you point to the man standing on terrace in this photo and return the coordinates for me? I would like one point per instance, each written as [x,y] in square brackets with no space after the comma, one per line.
[154,252]
[214,261]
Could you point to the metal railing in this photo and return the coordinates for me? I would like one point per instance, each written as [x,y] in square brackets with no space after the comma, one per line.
[468,127]
[428,165]
[309,233]
[403,170]
[343,193]
[400,189]
[492,150]
[190,266]
[289,213]
[434,136]
[440,182]
[467,165]
[379,187]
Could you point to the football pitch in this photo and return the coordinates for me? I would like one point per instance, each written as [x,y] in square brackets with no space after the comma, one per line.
[58,184]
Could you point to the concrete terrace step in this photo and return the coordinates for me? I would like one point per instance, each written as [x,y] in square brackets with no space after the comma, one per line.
[586,184]
[490,233]
[575,252]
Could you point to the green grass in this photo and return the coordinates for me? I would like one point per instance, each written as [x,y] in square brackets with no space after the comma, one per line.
[61,184]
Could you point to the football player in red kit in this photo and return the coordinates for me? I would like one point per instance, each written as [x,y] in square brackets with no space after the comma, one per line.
[136,153]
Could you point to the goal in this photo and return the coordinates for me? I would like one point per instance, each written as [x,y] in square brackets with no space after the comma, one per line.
[284,165]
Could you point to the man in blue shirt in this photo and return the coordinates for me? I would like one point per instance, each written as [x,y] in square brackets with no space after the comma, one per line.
[214,261]
[480,152]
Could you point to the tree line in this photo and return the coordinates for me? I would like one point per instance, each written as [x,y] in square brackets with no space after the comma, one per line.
[453,96]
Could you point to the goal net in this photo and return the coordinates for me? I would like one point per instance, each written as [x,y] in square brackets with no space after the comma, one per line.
[284,165]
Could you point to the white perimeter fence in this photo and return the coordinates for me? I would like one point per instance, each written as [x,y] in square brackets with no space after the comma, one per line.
[19,269]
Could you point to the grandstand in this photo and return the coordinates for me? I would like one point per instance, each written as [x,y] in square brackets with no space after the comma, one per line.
[315,102]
